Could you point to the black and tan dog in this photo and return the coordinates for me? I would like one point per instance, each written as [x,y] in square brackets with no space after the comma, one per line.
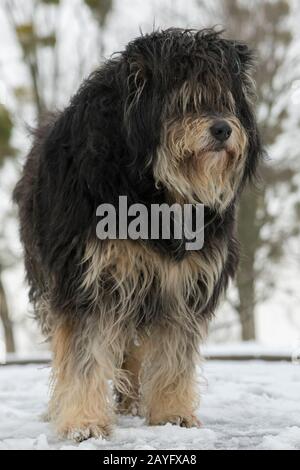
[169,119]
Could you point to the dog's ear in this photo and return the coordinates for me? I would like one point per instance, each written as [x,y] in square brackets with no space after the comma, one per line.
[246,58]
[143,101]
[245,97]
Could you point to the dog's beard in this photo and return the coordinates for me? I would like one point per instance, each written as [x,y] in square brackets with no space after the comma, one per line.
[195,168]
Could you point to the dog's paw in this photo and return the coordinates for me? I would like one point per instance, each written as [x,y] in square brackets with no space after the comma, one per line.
[87,432]
[188,421]
[129,407]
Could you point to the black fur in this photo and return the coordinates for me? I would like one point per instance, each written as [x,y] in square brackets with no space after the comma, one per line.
[102,146]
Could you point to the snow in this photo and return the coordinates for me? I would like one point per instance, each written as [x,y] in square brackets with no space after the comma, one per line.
[245,405]
[251,348]
[210,350]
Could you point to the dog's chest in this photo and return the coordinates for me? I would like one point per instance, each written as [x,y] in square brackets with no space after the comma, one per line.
[142,280]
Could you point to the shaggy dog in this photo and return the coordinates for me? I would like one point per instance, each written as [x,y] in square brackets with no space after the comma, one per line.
[169,119]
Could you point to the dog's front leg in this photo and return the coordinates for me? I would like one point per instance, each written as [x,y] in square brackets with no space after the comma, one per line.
[169,385]
[81,405]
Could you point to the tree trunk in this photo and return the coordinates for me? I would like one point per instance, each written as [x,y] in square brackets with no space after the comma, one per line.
[7,324]
[246,307]
[249,237]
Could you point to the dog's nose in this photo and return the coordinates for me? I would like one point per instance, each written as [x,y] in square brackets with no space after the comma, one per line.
[221,131]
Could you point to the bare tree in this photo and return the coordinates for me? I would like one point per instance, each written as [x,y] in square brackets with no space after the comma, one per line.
[264,26]
[26,19]
[100,10]
[6,151]
[6,321]
[35,24]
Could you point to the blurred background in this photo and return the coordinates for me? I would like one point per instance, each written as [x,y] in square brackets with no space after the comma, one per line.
[48,46]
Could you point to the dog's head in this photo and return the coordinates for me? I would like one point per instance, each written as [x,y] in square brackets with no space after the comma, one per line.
[188,113]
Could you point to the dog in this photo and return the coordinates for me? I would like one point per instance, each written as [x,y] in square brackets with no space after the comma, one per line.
[168,120]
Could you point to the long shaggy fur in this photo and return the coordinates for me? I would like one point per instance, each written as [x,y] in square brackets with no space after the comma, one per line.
[134,311]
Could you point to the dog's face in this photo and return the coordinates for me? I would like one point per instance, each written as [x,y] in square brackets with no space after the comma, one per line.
[202,157]
[190,95]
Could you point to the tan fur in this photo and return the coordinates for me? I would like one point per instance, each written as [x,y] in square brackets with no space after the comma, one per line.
[81,403]
[168,383]
[155,377]
[188,164]
[130,403]
[161,367]
[133,267]
[192,170]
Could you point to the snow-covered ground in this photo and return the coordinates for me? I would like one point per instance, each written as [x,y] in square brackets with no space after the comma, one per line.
[245,405]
